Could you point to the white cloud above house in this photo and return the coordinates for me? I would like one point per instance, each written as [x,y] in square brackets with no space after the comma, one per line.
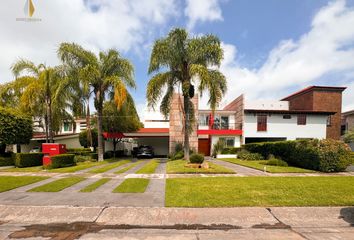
[202,11]
[328,48]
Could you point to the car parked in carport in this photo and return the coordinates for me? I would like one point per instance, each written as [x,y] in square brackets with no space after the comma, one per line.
[145,152]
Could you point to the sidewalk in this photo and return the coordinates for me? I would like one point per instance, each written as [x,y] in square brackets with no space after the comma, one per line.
[177,223]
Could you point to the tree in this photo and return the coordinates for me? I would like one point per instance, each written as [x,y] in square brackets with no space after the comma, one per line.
[176,61]
[349,136]
[122,120]
[43,94]
[83,138]
[15,128]
[107,73]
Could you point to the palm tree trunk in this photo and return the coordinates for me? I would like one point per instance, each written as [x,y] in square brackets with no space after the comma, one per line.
[50,128]
[46,127]
[186,126]
[88,124]
[100,141]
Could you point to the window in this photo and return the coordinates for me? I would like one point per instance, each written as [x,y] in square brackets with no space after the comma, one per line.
[224,122]
[329,121]
[67,127]
[204,120]
[301,119]
[229,142]
[261,123]
[287,116]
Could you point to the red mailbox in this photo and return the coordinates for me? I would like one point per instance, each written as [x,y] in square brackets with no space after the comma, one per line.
[52,149]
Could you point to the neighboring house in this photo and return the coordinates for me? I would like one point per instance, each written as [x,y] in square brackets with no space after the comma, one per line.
[348,124]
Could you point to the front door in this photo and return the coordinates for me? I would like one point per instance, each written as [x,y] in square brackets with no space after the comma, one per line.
[204,147]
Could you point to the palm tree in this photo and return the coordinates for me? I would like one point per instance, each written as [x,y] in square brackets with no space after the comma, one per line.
[178,60]
[109,72]
[43,93]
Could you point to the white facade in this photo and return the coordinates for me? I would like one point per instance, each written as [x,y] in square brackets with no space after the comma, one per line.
[278,127]
[236,139]
[267,105]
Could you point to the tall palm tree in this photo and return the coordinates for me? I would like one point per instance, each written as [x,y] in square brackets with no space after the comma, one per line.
[43,94]
[107,72]
[177,61]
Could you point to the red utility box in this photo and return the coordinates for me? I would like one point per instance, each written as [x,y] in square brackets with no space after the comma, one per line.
[52,149]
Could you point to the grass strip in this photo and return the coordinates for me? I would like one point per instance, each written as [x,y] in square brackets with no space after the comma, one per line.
[11,182]
[92,187]
[259,165]
[132,185]
[109,166]
[260,191]
[179,166]
[149,168]
[80,166]
[123,170]
[57,185]
[28,169]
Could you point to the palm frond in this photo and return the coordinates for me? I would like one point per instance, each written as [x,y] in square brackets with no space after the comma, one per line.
[25,65]
[155,87]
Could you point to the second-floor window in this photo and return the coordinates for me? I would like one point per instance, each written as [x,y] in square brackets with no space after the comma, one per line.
[301,119]
[67,127]
[261,123]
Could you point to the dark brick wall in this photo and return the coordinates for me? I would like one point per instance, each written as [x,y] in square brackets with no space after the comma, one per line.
[302,102]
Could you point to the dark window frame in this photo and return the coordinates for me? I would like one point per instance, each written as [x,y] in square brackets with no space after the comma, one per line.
[301,119]
[262,123]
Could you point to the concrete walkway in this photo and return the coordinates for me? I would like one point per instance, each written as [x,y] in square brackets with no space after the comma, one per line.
[241,170]
[67,222]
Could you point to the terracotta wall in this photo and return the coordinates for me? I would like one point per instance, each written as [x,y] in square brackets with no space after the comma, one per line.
[176,123]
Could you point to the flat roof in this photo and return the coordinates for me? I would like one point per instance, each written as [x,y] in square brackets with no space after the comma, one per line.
[310,88]
[289,111]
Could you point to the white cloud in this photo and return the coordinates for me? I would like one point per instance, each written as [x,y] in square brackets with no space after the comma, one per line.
[328,48]
[123,24]
[203,11]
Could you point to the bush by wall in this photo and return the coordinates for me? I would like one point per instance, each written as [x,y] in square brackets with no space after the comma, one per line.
[231,150]
[94,156]
[276,162]
[6,161]
[62,160]
[246,155]
[325,155]
[79,151]
[196,158]
[28,159]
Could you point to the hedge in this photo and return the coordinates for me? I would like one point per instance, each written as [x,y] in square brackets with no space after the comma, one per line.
[79,151]
[62,160]
[231,150]
[28,159]
[6,161]
[196,158]
[325,155]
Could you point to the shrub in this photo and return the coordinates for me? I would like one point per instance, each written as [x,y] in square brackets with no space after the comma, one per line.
[62,160]
[83,138]
[79,151]
[80,158]
[231,150]
[179,147]
[196,158]
[178,155]
[325,155]
[246,155]
[277,162]
[6,161]
[218,147]
[28,159]
[352,157]
[94,156]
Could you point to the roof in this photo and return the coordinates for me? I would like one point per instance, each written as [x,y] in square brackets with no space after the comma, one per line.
[289,111]
[348,113]
[153,130]
[311,88]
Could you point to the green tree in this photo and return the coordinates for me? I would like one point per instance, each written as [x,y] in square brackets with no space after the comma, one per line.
[107,73]
[15,128]
[349,136]
[83,138]
[176,60]
[42,94]
[122,120]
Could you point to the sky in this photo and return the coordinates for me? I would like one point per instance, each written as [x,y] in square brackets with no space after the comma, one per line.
[271,48]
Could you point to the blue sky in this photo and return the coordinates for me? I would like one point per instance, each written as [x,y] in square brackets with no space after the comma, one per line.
[272,47]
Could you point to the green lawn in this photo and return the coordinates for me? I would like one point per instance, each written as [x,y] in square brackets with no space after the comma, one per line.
[149,168]
[132,185]
[110,166]
[9,182]
[92,187]
[78,167]
[27,169]
[178,166]
[123,170]
[261,164]
[57,185]
[260,191]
